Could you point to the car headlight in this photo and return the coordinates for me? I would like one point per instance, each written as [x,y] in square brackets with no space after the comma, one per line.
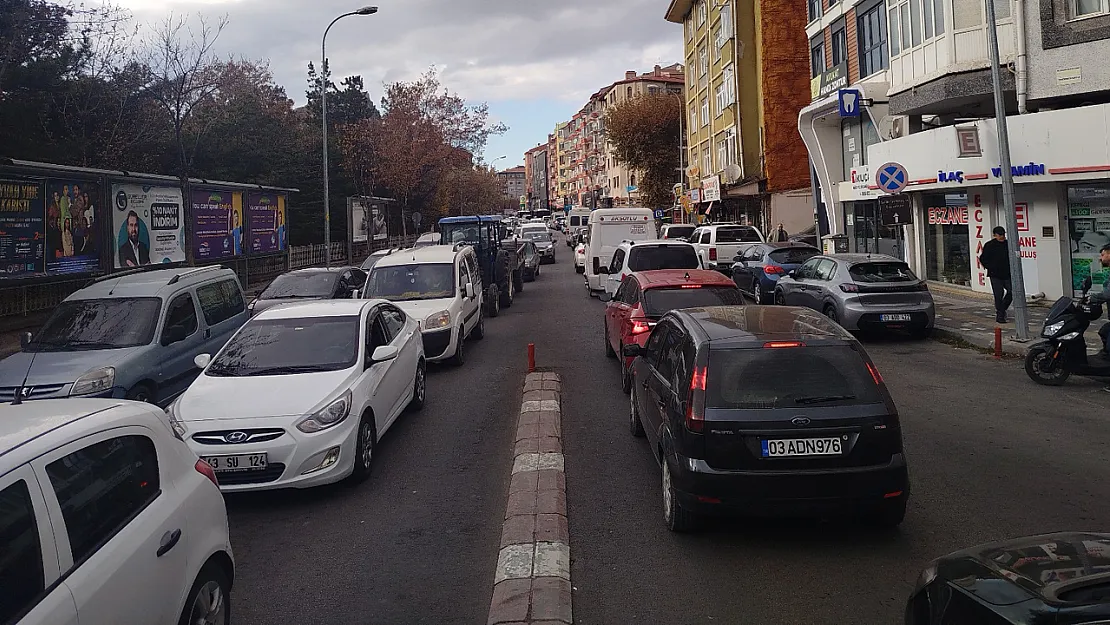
[1051,330]
[176,423]
[441,319]
[95,381]
[328,416]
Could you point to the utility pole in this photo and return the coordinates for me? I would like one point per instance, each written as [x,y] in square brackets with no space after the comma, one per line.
[1017,275]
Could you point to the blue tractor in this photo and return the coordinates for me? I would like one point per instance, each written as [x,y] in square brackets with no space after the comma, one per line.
[500,259]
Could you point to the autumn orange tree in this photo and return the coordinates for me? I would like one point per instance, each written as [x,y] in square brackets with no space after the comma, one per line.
[645,134]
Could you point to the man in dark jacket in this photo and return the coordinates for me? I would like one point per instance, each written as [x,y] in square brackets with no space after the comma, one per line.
[996,259]
[778,235]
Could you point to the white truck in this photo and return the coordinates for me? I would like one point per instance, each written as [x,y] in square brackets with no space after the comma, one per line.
[608,228]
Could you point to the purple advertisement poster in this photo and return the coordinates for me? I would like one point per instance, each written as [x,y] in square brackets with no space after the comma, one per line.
[217,224]
[267,222]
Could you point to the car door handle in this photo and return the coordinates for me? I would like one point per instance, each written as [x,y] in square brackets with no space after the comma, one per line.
[169,539]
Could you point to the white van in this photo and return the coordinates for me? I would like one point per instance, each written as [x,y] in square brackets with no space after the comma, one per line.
[609,227]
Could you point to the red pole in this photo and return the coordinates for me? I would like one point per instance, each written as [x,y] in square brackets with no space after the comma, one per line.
[997,342]
[531,357]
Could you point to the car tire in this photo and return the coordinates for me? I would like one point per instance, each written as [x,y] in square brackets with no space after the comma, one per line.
[578,269]
[780,299]
[888,514]
[626,375]
[677,517]
[518,280]
[635,426]
[208,598]
[419,387]
[830,312]
[367,440]
[479,331]
[508,294]
[459,357]
[494,302]
[143,393]
[609,353]
[537,273]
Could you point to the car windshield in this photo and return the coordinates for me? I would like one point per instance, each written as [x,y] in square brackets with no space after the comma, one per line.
[739,234]
[308,284]
[541,237]
[792,255]
[882,272]
[402,283]
[289,346]
[652,257]
[679,232]
[658,301]
[789,377]
[468,233]
[109,323]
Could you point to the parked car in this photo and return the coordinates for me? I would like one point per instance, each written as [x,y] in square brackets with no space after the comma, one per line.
[426,239]
[718,244]
[310,284]
[608,229]
[1050,578]
[440,287]
[580,258]
[545,245]
[681,232]
[374,257]
[578,235]
[861,292]
[302,394]
[806,237]
[131,334]
[532,258]
[100,501]
[757,269]
[643,297]
[633,256]
[766,410]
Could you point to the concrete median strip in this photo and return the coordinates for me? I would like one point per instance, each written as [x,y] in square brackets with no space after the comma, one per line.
[532,582]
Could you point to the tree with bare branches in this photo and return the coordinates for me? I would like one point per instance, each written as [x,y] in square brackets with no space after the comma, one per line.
[645,133]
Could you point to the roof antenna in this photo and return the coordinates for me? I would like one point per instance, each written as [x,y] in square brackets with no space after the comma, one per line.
[18,399]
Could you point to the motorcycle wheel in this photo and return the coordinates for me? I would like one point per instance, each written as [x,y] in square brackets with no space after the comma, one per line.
[1040,370]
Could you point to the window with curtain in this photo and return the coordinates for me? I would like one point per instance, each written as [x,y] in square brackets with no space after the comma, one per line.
[817,59]
[839,47]
[871,34]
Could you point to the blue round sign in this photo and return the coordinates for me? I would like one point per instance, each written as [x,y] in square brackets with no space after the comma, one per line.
[892,177]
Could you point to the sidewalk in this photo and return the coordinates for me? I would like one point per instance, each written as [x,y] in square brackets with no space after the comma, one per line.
[965,315]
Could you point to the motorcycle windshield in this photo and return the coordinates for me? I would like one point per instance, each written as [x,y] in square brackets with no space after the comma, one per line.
[1063,306]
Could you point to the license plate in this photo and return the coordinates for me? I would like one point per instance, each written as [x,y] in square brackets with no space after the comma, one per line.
[895,317]
[785,447]
[241,462]
[638,229]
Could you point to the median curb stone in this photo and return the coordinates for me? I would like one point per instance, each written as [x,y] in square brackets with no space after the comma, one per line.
[532,581]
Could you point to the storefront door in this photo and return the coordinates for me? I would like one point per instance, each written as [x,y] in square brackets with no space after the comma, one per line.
[870,236]
[947,243]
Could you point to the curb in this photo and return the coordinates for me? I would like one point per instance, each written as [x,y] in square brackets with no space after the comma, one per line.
[532,581]
[986,343]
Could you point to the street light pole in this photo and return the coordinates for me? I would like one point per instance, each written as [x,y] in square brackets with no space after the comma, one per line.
[1013,243]
[324,116]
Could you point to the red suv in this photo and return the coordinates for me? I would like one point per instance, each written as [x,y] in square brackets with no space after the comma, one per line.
[645,296]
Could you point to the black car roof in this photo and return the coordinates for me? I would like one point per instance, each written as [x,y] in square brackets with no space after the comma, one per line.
[740,326]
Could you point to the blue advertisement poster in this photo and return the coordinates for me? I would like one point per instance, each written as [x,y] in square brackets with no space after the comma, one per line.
[22,228]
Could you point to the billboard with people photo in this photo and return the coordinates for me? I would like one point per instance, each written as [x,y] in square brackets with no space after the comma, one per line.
[22,227]
[72,226]
[266,211]
[217,224]
[148,226]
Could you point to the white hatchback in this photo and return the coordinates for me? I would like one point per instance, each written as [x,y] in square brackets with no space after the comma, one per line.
[107,518]
[300,396]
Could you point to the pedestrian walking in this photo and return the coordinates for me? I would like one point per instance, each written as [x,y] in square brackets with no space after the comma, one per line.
[779,235]
[995,257]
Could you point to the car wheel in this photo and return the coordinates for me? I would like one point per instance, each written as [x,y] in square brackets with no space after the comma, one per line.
[419,386]
[609,353]
[494,302]
[888,514]
[677,518]
[578,269]
[460,350]
[209,601]
[830,312]
[364,448]
[518,280]
[537,273]
[626,375]
[508,294]
[479,331]
[635,427]
[780,299]
[143,393]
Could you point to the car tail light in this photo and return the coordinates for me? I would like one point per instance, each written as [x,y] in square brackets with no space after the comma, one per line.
[777,344]
[690,286]
[874,374]
[207,471]
[639,326]
[695,400]
[712,253]
[848,287]
[774,270]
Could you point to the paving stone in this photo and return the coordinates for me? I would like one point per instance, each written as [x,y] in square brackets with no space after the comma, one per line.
[521,503]
[525,482]
[527,431]
[551,599]
[550,480]
[537,462]
[510,602]
[551,559]
[550,502]
[518,530]
[530,446]
[545,444]
[552,528]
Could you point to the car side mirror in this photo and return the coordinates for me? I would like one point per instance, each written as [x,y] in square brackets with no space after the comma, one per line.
[468,290]
[794,274]
[384,353]
[632,350]
[605,297]
[25,340]
[1087,285]
[202,360]
[173,334]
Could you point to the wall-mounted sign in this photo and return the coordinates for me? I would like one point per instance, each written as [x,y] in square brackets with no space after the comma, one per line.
[1031,169]
[711,189]
[695,195]
[948,216]
[849,102]
[148,227]
[829,80]
[1021,212]
[895,210]
[967,139]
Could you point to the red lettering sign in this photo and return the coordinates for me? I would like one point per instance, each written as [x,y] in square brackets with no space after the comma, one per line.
[1021,212]
[947,216]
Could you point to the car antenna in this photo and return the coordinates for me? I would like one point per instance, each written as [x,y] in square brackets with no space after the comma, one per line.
[18,399]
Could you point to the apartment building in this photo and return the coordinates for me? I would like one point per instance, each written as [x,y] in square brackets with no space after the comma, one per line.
[932,113]
[513,182]
[745,161]
[536,176]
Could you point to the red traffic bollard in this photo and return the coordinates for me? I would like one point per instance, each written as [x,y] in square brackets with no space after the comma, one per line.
[531,357]
[997,343]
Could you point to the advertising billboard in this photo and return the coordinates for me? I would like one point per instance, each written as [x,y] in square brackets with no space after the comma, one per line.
[359,223]
[266,213]
[217,224]
[147,225]
[73,228]
[22,227]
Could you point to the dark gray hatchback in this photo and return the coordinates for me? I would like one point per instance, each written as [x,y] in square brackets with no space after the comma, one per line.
[766,410]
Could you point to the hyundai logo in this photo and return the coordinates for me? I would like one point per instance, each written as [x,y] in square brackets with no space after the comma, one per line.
[235,437]
[799,421]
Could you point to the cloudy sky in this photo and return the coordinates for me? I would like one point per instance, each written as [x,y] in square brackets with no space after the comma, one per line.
[534,61]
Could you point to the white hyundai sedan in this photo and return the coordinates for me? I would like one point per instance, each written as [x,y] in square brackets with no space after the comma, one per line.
[302,393]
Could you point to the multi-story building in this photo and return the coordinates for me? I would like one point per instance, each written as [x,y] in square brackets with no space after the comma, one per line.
[743,94]
[513,182]
[562,192]
[536,176]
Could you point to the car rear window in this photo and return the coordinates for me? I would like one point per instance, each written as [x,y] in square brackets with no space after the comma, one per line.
[882,272]
[652,257]
[792,255]
[788,377]
[742,234]
[658,301]
[679,232]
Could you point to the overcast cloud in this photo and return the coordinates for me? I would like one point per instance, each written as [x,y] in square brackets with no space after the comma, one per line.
[514,54]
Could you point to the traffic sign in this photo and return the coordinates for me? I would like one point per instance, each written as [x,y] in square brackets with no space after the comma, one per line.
[659,213]
[891,177]
[849,100]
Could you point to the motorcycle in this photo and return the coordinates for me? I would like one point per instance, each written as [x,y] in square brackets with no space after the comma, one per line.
[1064,352]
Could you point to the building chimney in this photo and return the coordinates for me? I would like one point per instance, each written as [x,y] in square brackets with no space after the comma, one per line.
[657,68]
[630,74]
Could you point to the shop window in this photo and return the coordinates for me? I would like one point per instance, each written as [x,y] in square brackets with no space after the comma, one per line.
[1088,231]
[947,243]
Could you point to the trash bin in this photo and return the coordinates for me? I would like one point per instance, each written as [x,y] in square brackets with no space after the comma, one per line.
[834,244]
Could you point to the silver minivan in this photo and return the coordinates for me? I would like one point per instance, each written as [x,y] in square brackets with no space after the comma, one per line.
[131,334]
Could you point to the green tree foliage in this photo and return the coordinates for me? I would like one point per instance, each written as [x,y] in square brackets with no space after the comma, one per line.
[645,134]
